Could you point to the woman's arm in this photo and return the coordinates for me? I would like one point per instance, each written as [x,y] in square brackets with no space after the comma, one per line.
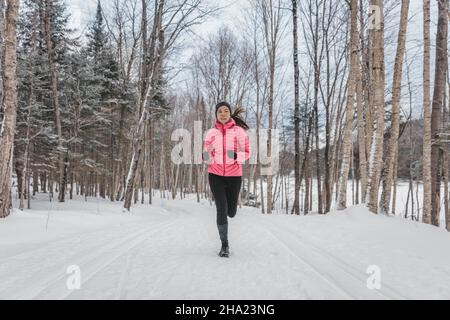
[209,145]
[243,148]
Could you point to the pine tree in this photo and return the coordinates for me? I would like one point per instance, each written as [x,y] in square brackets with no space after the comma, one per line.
[35,109]
[104,101]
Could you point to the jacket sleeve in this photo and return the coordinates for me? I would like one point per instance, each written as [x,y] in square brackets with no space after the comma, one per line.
[208,149]
[243,147]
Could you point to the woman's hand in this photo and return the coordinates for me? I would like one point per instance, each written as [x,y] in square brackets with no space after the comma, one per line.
[231,154]
[205,156]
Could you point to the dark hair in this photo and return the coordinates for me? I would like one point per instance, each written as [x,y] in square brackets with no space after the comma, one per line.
[236,115]
[223,104]
[238,119]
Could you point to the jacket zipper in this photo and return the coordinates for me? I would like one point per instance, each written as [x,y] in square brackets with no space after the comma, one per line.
[223,147]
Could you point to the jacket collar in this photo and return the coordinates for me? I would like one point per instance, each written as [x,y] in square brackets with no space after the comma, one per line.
[228,125]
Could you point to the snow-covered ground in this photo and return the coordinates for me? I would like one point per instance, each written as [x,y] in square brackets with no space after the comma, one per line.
[169,251]
[403,204]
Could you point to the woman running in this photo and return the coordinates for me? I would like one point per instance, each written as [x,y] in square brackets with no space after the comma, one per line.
[226,147]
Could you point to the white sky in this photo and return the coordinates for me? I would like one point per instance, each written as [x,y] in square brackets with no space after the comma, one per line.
[83,11]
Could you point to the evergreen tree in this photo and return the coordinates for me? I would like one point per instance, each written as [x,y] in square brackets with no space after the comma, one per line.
[36,130]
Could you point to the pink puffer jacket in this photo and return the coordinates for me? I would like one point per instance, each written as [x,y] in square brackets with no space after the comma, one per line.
[226,147]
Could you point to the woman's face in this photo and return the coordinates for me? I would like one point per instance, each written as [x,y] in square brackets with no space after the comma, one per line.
[223,114]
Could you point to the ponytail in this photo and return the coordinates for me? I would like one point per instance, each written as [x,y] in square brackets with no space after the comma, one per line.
[236,116]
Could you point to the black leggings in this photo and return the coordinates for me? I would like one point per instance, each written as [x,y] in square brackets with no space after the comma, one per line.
[226,194]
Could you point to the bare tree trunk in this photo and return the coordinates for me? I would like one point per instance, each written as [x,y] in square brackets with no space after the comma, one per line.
[269,131]
[296,206]
[54,83]
[319,180]
[317,62]
[360,95]
[8,106]
[303,171]
[258,121]
[377,77]
[361,134]
[438,96]
[156,54]
[446,171]
[395,117]
[347,140]
[445,179]
[162,173]
[150,163]
[271,15]
[28,186]
[445,158]
[27,148]
[307,187]
[42,179]
[426,217]
[175,182]
[394,196]
[352,170]
[2,55]
[310,191]
[407,199]
[411,182]
[366,83]
[120,168]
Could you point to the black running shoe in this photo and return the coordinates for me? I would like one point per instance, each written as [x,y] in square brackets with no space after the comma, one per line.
[224,251]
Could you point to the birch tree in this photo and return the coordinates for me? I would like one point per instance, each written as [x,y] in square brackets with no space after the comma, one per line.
[436,114]
[347,143]
[169,22]
[377,78]
[361,128]
[296,205]
[388,173]
[9,105]
[426,217]
[271,14]
[153,62]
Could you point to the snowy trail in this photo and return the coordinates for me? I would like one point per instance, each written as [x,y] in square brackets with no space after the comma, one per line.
[96,261]
[331,269]
[169,251]
[37,269]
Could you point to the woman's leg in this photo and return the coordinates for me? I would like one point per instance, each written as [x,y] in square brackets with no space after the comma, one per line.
[232,194]
[217,185]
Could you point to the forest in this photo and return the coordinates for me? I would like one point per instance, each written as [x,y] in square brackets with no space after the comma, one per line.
[346,100]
